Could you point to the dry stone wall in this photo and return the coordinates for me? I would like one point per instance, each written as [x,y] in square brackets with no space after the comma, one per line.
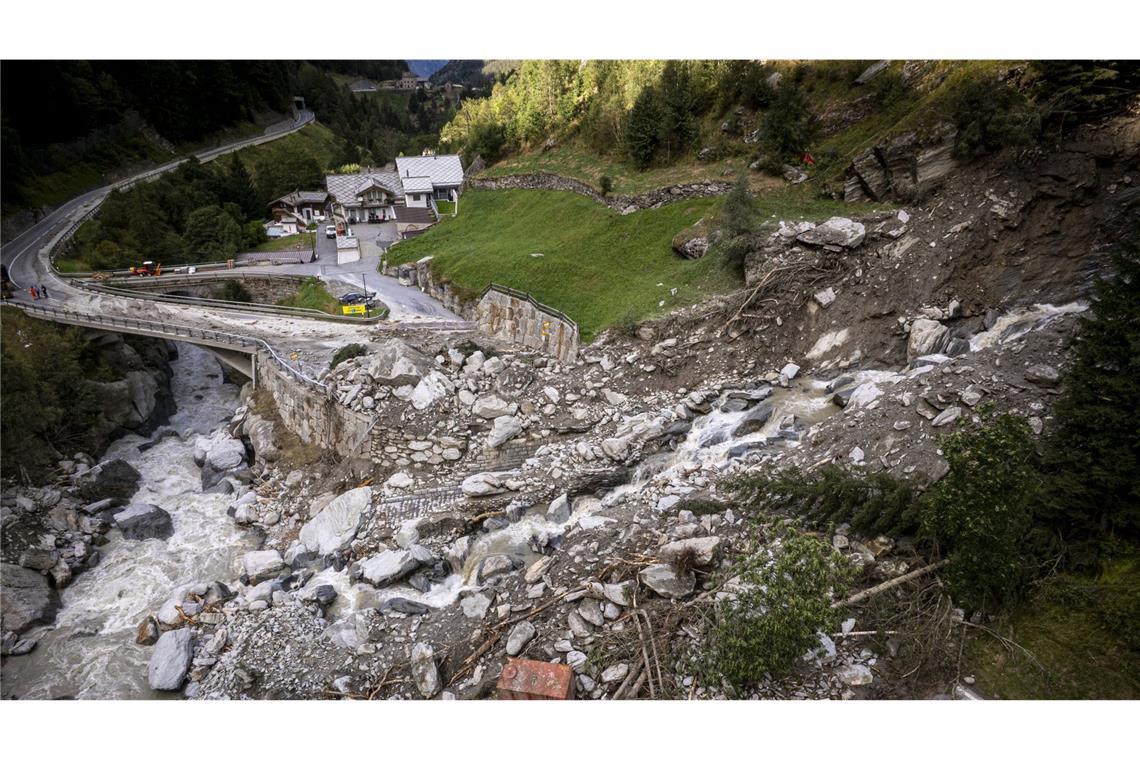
[516,317]
[626,204]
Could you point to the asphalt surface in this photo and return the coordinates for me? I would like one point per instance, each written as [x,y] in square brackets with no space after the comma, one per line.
[19,253]
[405,304]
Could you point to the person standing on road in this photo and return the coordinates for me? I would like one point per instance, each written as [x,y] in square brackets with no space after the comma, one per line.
[43,291]
[32,290]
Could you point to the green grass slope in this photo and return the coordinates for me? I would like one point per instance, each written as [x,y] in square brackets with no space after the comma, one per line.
[597,265]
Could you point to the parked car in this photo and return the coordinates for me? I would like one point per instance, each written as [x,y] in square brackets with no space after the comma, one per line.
[330,231]
[351,298]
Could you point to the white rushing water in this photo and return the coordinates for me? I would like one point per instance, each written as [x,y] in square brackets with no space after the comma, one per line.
[90,651]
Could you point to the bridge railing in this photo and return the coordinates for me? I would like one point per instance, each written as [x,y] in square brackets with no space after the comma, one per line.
[163,329]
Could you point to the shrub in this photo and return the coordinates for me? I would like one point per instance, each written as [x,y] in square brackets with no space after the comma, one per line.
[991,115]
[980,513]
[627,326]
[872,503]
[606,183]
[344,353]
[775,619]
[789,125]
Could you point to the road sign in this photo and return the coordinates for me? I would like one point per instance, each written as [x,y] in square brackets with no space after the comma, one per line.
[356,308]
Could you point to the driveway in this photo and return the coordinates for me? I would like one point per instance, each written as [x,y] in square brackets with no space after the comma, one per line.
[405,303]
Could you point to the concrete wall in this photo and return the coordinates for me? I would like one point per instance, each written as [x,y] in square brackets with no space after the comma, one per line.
[519,319]
[310,413]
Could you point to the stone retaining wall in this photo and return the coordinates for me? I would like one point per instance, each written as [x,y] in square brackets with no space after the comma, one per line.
[517,318]
[312,415]
[263,289]
[626,204]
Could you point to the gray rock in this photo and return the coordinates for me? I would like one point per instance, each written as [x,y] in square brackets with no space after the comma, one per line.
[482,484]
[490,407]
[430,389]
[262,565]
[395,363]
[335,526]
[404,606]
[926,337]
[615,673]
[170,660]
[496,564]
[947,416]
[855,675]
[114,479]
[754,420]
[668,581]
[140,521]
[519,637]
[388,566]
[559,510]
[225,454]
[26,598]
[1043,375]
[424,670]
[836,231]
[503,430]
[701,552]
[475,606]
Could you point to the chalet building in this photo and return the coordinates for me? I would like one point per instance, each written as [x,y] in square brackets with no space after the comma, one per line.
[407,196]
[294,212]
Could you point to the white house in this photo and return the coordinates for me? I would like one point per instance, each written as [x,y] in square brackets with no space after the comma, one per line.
[407,196]
[445,173]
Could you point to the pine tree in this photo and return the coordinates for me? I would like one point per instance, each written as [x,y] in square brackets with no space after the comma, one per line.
[679,128]
[642,133]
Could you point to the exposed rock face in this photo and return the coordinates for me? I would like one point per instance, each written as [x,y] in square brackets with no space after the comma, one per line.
[905,168]
[141,521]
[26,598]
[171,659]
[334,528]
[692,242]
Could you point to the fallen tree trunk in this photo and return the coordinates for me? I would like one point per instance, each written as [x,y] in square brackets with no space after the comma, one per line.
[888,585]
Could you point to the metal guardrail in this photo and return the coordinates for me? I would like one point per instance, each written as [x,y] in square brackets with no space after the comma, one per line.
[162,328]
[530,299]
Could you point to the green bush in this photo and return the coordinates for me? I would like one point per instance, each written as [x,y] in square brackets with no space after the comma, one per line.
[789,126]
[991,115]
[344,353]
[606,183]
[872,503]
[980,513]
[775,619]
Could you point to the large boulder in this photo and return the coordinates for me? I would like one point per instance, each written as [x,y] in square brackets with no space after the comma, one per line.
[115,479]
[503,430]
[396,363]
[262,565]
[260,433]
[927,336]
[669,581]
[692,242]
[754,420]
[483,484]
[837,231]
[388,566]
[432,388]
[335,526]
[170,660]
[26,599]
[490,407]
[425,674]
[700,551]
[141,521]
[225,454]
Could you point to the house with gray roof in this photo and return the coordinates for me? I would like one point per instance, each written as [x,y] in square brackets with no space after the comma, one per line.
[300,206]
[407,196]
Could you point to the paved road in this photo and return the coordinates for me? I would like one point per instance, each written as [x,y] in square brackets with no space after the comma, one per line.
[19,253]
[406,304]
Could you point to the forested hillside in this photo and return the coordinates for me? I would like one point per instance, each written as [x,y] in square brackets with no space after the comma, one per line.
[647,114]
[104,116]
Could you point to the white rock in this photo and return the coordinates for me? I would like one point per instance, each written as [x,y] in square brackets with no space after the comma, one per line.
[503,430]
[432,388]
[335,526]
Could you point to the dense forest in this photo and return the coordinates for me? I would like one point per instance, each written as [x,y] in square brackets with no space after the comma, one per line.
[104,115]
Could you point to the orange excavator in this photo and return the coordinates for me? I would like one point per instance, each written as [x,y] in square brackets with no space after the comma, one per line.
[148,269]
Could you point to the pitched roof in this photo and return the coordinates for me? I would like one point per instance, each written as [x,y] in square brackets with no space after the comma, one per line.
[303,196]
[441,170]
[344,187]
[416,184]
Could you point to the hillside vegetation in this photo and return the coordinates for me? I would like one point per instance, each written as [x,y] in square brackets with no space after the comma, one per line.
[635,121]
[598,266]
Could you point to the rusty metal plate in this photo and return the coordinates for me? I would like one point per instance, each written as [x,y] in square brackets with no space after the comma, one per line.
[531,679]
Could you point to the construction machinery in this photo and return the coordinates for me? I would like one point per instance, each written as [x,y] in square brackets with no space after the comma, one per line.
[148,269]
